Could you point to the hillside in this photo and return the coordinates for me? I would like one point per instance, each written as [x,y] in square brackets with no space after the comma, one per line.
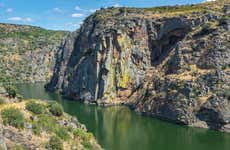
[27,53]
[168,62]
[36,124]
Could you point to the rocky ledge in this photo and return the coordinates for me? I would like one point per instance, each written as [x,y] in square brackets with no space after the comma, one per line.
[37,124]
[168,62]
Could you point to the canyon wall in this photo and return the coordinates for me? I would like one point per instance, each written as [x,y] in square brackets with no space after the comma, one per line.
[168,62]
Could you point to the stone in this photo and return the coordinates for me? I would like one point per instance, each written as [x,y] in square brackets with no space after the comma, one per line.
[174,67]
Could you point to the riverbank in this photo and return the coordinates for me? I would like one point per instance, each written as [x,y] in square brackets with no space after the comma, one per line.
[38,124]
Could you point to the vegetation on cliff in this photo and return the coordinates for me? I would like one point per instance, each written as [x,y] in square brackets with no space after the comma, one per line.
[31,124]
[27,53]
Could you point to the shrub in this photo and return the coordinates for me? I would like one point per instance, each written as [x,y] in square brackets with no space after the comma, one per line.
[84,136]
[2,101]
[46,122]
[54,143]
[62,133]
[18,147]
[56,109]
[34,107]
[13,117]
[36,129]
[11,91]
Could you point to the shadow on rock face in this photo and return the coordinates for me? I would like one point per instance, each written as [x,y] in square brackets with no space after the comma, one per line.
[170,34]
[215,112]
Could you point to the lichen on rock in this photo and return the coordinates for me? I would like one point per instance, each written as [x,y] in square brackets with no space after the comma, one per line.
[167,62]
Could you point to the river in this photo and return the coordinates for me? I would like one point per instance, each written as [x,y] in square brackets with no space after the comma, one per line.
[119,128]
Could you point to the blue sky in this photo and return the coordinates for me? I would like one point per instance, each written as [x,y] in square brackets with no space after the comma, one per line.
[66,14]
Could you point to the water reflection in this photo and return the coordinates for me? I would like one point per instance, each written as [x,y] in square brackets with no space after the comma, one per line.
[118,128]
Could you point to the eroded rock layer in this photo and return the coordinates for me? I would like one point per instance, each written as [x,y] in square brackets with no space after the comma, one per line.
[169,62]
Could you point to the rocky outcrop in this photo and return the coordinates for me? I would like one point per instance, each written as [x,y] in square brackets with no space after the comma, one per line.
[27,53]
[38,129]
[168,62]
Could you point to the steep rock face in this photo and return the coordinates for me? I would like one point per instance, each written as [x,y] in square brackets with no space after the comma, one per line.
[110,60]
[27,53]
[173,64]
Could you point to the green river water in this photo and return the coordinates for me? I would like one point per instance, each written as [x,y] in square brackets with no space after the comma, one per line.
[119,128]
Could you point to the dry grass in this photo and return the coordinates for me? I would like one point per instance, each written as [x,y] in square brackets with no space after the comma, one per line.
[192,74]
[202,99]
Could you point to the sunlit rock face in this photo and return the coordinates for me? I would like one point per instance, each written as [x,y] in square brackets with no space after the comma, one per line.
[108,59]
[173,65]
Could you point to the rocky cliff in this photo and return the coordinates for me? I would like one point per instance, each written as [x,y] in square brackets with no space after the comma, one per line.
[27,53]
[168,62]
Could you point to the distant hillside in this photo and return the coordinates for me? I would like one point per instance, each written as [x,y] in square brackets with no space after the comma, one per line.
[27,53]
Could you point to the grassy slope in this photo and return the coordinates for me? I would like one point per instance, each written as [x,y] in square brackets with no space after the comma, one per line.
[44,127]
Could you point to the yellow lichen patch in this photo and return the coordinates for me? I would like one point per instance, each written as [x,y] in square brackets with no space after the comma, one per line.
[124,81]
[124,42]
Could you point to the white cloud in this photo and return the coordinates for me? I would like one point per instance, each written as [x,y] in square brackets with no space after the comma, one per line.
[116,5]
[9,10]
[209,0]
[77,15]
[20,19]
[71,24]
[27,20]
[15,19]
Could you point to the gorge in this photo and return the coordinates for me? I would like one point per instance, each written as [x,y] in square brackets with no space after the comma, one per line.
[138,78]
[167,62]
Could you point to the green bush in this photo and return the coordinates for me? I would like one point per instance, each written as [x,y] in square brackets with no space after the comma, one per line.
[82,134]
[56,109]
[46,122]
[54,143]
[18,147]
[2,101]
[13,117]
[36,129]
[34,107]
[62,133]
[11,91]
[85,137]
